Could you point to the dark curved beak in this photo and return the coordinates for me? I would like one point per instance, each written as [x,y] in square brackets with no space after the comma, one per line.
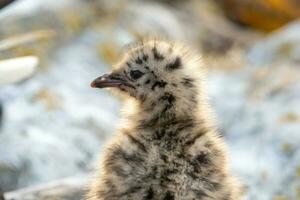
[108,80]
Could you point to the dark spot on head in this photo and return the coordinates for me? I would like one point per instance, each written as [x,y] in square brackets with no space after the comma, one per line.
[157,56]
[128,64]
[168,97]
[147,67]
[152,72]
[138,61]
[174,84]
[138,85]
[160,84]
[169,196]
[176,64]
[187,82]
[147,82]
[145,57]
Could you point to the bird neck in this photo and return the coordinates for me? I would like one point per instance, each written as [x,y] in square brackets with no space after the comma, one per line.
[166,110]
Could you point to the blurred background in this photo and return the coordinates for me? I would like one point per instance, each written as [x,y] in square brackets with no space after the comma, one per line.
[53,124]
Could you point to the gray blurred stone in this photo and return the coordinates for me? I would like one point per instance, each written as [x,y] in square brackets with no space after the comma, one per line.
[259,116]
[64,189]
[282,45]
[9,175]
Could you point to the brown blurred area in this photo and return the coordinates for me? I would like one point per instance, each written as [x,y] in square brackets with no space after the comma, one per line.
[265,15]
[4,3]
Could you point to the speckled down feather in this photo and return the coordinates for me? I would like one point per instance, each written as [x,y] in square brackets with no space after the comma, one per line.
[168,147]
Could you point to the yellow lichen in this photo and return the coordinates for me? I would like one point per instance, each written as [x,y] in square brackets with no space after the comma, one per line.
[290,117]
[298,171]
[298,192]
[280,197]
[264,175]
[47,98]
[286,147]
[108,51]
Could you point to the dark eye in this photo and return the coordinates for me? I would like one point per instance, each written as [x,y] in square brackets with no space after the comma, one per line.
[136,74]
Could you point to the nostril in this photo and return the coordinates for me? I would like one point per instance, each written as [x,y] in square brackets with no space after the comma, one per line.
[116,77]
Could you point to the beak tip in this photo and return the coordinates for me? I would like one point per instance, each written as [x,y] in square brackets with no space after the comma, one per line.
[106,81]
[93,84]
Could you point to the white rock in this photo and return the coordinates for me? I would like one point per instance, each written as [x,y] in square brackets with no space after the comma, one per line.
[17,69]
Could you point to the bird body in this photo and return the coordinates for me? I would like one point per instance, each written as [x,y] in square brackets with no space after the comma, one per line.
[168,148]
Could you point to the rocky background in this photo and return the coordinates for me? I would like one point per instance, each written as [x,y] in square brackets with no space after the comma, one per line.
[54,125]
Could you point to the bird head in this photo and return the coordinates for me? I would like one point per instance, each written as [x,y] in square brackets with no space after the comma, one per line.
[156,72]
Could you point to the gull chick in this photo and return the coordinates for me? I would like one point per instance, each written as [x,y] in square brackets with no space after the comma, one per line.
[168,148]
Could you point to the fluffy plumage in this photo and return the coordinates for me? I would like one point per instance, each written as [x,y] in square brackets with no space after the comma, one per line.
[168,147]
